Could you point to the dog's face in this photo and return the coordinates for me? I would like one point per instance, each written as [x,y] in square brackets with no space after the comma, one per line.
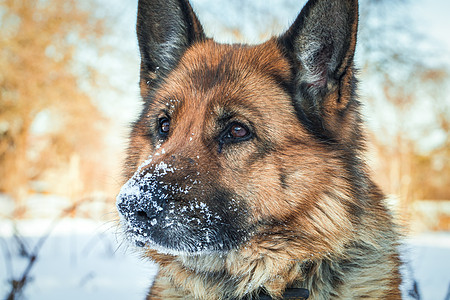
[213,131]
[238,143]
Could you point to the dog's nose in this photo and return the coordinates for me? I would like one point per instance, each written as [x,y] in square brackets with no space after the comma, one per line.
[144,215]
[123,206]
[127,206]
[137,211]
[141,200]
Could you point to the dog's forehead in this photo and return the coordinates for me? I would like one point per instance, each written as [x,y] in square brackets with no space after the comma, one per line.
[211,76]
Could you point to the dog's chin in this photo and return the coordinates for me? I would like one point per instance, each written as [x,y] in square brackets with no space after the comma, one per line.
[180,251]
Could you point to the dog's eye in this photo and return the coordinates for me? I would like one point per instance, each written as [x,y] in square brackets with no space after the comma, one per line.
[164,126]
[235,132]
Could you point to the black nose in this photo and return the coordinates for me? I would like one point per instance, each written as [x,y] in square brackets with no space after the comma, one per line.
[141,201]
[127,205]
[144,216]
[137,209]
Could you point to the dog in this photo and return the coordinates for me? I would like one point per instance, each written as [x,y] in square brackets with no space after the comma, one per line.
[245,176]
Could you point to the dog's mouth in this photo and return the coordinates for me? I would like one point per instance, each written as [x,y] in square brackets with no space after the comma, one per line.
[172,232]
[176,234]
[173,222]
[175,241]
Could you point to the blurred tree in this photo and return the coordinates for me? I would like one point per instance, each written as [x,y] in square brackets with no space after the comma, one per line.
[39,44]
[406,84]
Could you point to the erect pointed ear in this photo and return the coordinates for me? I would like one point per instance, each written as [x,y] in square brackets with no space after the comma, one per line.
[321,45]
[165,29]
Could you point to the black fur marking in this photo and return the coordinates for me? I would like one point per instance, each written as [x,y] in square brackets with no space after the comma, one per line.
[283,180]
[166,28]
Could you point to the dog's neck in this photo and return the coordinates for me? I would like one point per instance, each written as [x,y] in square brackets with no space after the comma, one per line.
[224,276]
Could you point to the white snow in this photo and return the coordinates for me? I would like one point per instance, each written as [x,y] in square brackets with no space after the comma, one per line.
[81,259]
[428,262]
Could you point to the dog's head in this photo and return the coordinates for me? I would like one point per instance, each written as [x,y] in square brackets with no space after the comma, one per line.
[240,143]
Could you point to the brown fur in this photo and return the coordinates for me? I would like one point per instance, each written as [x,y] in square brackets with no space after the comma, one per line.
[315,218]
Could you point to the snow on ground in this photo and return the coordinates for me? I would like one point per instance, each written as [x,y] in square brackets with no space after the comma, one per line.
[81,259]
[84,259]
[429,263]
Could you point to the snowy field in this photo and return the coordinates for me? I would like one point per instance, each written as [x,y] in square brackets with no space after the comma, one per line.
[82,259]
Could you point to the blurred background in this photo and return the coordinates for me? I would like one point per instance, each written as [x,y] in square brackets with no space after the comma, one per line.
[69,90]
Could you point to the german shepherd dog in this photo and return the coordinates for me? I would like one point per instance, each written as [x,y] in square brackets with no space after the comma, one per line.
[244,176]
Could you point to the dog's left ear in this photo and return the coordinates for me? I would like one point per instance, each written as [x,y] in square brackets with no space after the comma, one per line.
[321,45]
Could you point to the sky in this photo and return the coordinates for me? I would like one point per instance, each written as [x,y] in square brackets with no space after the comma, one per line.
[432,16]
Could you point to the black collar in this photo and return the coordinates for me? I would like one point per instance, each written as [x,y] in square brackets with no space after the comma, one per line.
[289,294]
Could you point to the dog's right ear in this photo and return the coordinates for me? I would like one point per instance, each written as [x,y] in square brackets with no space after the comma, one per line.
[321,46]
[165,29]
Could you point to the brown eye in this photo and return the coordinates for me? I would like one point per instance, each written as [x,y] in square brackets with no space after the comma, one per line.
[238,131]
[234,133]
[164,126]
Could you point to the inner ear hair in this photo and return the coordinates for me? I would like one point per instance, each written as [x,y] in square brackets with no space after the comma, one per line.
[322,41]
[320,46]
